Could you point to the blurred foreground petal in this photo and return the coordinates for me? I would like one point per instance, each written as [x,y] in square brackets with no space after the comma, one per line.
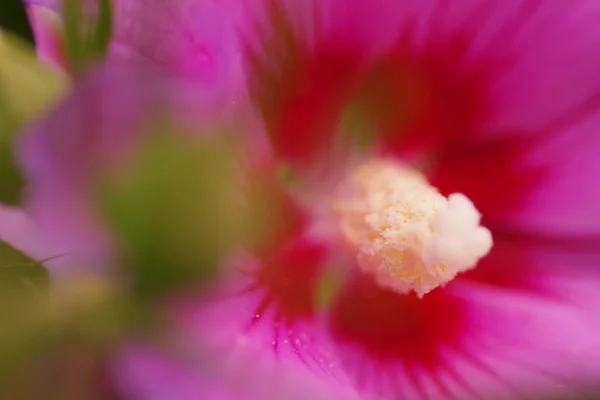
[27,89]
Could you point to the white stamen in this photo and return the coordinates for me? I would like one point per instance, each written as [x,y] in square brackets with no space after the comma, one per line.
[405,233]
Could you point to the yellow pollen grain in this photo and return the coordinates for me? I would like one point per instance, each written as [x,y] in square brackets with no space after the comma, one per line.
[406,234]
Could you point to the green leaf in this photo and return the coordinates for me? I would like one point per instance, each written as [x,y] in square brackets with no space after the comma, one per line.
[86,314]
[24,284]
[87,37]
[12,181]
[74,34]
[13,18]
[172,209]
[20,273]
[104,26]
[27,88]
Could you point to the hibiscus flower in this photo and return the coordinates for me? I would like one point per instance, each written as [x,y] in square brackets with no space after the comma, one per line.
[431,228]
[400,124]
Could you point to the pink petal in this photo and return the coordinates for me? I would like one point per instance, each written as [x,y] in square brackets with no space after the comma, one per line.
[546,50]
[534,321]
[526,344]
[192,40]
[272,313]
[567,200]
[95,125]
[147,373]
[529,329]
[20,231]
[47,28]
[231,345]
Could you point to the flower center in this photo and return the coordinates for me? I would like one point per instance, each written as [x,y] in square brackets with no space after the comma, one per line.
[405,233]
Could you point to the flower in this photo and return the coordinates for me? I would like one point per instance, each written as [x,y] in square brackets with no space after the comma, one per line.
[374,116]
[465,92]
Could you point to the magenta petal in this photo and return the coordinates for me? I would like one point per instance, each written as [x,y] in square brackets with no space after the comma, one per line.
[20,231]
[566,201]
[146,374]
[53,4]
[514,344]
[553,45]
[235,353]
[93,129]
[46,26]
[541,50]
[192,40]
[524,323]
[95,124]
[259,351]
[524,344]
[532,334]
